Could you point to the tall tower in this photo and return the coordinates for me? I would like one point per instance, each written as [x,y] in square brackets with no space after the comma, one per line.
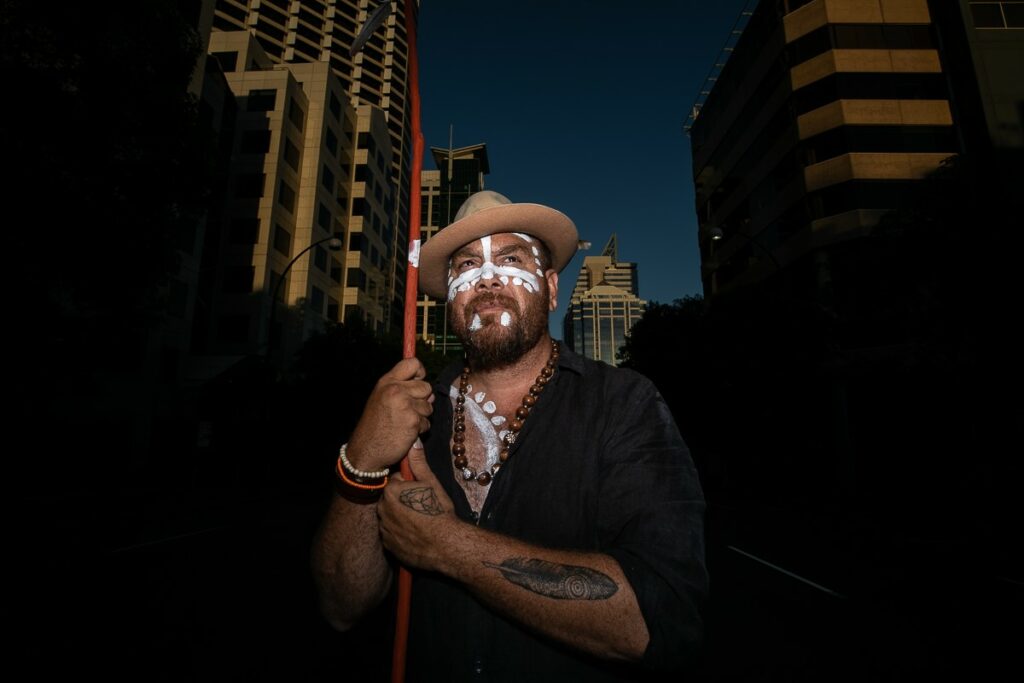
[460,172]
[824,118]
[322,31]
[604,305]
[302,166]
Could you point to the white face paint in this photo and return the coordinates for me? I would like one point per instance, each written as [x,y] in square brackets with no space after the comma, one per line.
[526,238]
[488,271]
[476,324]
[506,319]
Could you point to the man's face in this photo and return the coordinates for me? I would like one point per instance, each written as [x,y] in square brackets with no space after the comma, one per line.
[499,296]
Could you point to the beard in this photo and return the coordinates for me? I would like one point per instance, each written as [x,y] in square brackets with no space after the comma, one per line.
[494,345]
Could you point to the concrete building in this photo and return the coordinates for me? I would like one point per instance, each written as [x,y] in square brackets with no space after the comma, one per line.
[826,114]
[303,165]
[605,304]
[321,32]
[460,172]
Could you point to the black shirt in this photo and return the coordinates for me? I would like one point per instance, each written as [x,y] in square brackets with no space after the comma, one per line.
[599,466]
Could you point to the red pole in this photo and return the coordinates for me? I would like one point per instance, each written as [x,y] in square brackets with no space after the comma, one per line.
[409,327]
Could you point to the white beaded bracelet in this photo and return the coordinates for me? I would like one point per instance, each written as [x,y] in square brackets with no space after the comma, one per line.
[362,474]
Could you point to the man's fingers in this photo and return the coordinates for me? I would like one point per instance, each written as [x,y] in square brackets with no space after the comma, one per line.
[419,389]
[406,369]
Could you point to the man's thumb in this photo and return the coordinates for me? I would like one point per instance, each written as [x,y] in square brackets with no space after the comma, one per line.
[418,462]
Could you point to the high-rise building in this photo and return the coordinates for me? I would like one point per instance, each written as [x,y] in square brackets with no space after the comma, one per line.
[302,166]
[322,32]
[825,117]
[604,305]
[460,172]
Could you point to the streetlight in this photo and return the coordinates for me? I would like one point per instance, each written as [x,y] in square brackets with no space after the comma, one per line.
[334,244]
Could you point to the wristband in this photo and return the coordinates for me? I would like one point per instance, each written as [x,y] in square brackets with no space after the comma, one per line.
[357,473]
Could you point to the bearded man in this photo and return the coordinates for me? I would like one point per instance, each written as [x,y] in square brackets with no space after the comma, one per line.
[555,526]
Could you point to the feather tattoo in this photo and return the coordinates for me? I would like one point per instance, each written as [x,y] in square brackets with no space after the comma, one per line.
[558,581]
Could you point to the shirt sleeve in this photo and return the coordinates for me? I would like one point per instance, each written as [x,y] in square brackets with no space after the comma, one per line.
[651,521]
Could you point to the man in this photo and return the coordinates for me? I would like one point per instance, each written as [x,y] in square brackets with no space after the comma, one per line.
[555,527]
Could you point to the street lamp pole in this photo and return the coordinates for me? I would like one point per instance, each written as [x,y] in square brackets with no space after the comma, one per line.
[334,244]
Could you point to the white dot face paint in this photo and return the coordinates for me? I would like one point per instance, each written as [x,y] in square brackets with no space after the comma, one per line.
[489,407]
[488,271]
[479,396]
[506,319]
[476,324]
[536,251]
[498,420]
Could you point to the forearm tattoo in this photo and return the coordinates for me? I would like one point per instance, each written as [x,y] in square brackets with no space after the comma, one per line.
[559,581]
[421,500]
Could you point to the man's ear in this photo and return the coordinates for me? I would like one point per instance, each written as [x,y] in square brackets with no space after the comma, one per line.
[552,278]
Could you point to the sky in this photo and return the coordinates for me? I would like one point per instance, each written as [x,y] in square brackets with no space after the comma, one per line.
[581,106]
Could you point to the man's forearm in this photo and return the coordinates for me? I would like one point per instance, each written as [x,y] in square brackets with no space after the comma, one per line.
[351,572]
[580,599]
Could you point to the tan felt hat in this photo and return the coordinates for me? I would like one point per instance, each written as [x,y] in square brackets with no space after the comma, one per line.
[487,213]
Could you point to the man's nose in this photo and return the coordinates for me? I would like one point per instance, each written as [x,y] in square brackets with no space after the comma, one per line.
[488,278]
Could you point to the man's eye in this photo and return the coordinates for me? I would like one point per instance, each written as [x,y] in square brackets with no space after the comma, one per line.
[466,264]
[511,258]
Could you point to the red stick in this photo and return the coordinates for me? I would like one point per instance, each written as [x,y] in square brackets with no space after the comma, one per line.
[409,331]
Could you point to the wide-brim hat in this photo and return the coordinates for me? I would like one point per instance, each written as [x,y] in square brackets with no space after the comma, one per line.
[486,213]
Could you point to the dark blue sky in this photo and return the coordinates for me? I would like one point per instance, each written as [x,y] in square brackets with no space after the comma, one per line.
[581,105]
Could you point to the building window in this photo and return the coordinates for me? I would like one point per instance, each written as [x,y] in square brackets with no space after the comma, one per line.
[282,240]
[255,142]
[366,142]
[286,196]
[320,258]
[261,100]
[323,217]
[327,179]
[336,270]
[291,155]
[295,114]
[356,278]
[335,107]
[249,185]
[316,300]
[332,309]
[331,142]
[998,14]
[358,206]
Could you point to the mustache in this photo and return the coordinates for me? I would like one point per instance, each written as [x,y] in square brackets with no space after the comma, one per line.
[491,298]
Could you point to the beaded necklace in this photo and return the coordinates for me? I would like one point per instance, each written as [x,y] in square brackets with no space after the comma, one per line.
[459,428]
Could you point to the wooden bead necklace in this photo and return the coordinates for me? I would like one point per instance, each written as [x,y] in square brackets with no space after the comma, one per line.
[459,428]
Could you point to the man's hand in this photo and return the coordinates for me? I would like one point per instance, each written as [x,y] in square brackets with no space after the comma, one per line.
[416,517]
[394,416]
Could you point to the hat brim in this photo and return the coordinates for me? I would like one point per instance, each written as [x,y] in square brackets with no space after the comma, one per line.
[550,226]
